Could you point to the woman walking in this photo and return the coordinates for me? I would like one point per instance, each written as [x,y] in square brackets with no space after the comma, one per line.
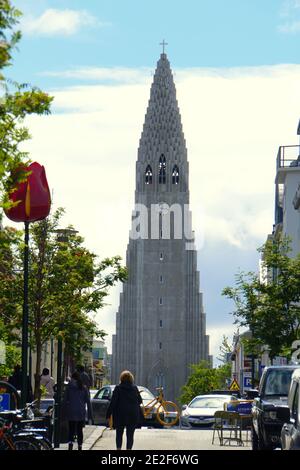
[75,400]
[125,408]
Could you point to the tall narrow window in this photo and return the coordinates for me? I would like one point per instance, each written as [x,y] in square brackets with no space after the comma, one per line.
[161,279]
[160,301]
[175,175]
[160,323]
[162,169]
[161,257]
[148,175]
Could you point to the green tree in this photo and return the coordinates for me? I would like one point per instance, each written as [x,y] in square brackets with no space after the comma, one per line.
[203,379]
[10,299]
[225,349]
[16,102]
[270,307]
[67,285]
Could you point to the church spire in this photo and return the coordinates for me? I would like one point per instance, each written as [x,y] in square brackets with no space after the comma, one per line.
[162,132]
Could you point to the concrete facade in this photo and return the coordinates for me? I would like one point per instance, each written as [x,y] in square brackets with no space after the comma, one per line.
[160,324]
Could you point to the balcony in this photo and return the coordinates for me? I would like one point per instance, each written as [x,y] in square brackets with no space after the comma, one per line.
[288,161]
[288,156]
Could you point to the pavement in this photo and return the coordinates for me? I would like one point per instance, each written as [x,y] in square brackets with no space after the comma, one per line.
[91,435]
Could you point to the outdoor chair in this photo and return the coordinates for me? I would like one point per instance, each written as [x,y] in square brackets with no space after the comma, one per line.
[228,427]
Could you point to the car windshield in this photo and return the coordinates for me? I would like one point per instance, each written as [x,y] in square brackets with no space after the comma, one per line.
[278,382]
[146,395]
[209,402]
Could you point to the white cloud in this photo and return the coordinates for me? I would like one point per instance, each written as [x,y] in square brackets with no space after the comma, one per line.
[113,74]
[58,22]
[290,12]
[234,121]
[290,28]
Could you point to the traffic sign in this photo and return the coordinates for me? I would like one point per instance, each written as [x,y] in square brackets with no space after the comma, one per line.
[234,387]
[247,380]
[4,401]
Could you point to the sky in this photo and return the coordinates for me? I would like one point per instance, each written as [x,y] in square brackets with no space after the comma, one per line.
[237,74]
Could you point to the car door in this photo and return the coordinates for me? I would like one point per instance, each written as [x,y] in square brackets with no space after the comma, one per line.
[289,429]
[100,403]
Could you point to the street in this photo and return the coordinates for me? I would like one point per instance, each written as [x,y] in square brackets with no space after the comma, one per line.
[169,439]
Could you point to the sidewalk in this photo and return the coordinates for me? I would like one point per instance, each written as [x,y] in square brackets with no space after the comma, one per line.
[91,434]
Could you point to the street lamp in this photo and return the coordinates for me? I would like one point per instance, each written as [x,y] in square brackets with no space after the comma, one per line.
[31,202]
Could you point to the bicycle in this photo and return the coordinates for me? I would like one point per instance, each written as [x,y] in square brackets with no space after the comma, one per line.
[18,431]
[167,412]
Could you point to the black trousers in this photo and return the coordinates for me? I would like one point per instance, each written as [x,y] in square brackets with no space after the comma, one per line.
[129,436]
[75,428]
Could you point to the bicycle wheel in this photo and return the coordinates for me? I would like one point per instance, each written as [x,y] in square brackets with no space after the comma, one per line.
[168,413]
[25,443]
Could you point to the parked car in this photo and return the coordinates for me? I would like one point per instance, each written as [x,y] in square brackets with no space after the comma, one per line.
[290,432]
[100,403]
[267,409]
[201,410]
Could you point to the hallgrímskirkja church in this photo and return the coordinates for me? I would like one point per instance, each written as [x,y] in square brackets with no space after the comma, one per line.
[161,324]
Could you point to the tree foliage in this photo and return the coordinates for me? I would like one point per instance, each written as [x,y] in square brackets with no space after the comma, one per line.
[68,285]
[270,306]
[203,379]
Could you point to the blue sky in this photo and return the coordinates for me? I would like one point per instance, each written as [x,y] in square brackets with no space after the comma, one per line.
[237,74]
[200,33]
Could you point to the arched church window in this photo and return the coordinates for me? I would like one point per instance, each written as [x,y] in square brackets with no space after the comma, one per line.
[148,175]
[175,175]
[162,169]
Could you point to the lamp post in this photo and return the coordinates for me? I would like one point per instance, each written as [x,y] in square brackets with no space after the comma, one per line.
[25,319]
[30,198]
[58,395]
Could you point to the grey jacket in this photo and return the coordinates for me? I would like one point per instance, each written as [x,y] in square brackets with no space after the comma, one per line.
[75,402]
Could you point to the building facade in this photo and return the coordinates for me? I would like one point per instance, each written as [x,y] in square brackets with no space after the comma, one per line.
[161,324]
[287,184]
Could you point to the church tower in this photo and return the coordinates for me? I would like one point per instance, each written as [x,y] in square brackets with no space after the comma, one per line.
[160,324]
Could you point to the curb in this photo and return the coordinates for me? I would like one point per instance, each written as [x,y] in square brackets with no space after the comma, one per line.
[91,441]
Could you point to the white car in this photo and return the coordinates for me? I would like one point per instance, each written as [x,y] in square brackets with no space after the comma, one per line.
[200,411]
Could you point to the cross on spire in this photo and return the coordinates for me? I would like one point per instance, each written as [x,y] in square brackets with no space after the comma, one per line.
[163,44]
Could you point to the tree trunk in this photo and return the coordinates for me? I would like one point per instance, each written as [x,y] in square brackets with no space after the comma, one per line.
[37,377]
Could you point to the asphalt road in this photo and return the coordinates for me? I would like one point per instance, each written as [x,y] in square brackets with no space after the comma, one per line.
[169,439]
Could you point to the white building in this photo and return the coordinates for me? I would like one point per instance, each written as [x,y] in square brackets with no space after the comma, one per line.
[287,195]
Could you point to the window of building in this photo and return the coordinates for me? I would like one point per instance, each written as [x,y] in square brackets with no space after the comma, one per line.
[148,175]
[175,175]
[160,323]
[162,169]
[161,256]
[161,279]
[160,345]
[160,301]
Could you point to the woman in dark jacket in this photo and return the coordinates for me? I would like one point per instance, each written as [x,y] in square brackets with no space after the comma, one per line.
[75,400]
[125,408]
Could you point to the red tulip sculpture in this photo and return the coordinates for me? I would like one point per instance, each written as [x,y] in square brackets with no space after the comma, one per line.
[32,202]
[32,196]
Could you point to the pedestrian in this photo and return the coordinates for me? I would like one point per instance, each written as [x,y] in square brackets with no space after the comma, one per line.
[76,399]
[125,408]
[84,377]
[16,381]
[48,382]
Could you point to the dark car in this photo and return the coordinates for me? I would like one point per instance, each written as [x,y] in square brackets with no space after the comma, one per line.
[102,398]
[290,433]
[268,406]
